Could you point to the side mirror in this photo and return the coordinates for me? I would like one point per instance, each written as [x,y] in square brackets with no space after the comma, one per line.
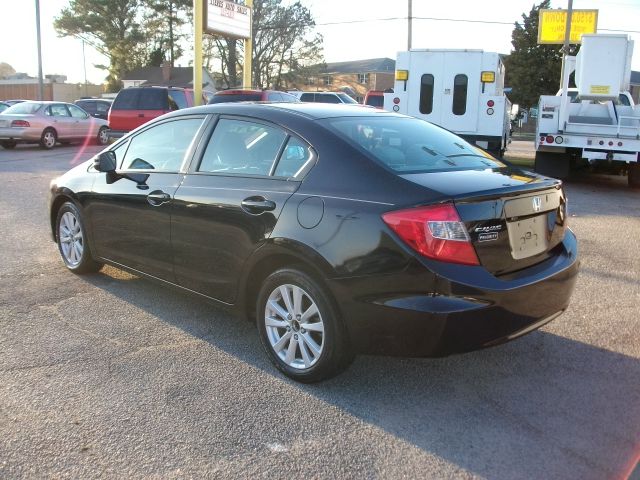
[105,162]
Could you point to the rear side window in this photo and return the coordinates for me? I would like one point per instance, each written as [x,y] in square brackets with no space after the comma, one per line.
[459,106]
[77,112]
[326,98]
[307,97]
[409,145]
[162,147]
[426,94]
[294,157]
[153,99]
[274,97]
[239,147]
[127,99]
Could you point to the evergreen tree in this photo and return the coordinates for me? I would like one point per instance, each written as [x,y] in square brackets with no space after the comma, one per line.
[532,69]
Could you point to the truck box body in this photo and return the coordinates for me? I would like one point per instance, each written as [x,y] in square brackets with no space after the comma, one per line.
[594,81]
[446,87]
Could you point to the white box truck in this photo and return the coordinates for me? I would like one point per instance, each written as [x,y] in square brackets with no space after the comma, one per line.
[597,121]
[460,90]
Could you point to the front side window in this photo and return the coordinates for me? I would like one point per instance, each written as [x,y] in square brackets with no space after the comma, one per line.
[162,148]
[426,94]
[459,106]
[77,112]
[102,107]
[240,147]
[346,98]
[179,99]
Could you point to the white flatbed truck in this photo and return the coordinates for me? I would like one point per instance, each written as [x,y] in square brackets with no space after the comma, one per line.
[460,90]
[597,121]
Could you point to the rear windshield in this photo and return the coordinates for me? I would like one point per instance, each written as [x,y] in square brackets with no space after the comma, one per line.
[24,108]
[237,97]
[409,145]
[375,100]
[127,99]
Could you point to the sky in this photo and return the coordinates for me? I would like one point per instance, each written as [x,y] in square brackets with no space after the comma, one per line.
[352,30]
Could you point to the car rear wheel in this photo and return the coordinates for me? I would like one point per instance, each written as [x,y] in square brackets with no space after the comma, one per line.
[48,138]
[9,144]
[72,240]
[300,328]
[103,136]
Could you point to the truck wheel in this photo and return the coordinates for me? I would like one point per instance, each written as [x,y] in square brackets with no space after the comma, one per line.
[633,176]
[556,165]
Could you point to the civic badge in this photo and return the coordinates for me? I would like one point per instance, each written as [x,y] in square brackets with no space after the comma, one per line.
[537,204]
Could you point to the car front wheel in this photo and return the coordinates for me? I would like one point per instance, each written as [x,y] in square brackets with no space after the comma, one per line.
[300,328]
[72,240]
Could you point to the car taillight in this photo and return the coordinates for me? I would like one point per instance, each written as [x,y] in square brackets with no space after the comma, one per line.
[20,123]
[435,232]
[490,103]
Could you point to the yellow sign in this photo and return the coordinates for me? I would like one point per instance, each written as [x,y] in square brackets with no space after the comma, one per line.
[552,25]
[600,89]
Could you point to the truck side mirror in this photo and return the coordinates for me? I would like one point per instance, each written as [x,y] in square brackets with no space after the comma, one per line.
[105,162]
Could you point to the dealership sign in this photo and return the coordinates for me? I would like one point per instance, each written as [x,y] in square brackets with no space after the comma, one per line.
[227,18]
[553,25]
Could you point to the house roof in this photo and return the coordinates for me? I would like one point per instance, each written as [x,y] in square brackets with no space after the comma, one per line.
[179,77]
[635,78]
[371,65]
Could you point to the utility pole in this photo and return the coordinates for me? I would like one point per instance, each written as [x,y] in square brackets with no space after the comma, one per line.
[84,65]
[409,20]
[567,40]
[248,54]
[197,50]
[39,42]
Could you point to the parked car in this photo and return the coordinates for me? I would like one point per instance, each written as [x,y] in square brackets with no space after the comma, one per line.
[4,106]
[47,123]
[374,98]
[135,106]
[325,97]
[339,229]
[252,95]
[96,107]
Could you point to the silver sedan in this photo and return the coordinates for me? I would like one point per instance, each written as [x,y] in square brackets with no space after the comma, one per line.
[47,123]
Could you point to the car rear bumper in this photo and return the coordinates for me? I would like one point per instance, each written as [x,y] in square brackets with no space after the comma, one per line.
[469,309]
[19,134]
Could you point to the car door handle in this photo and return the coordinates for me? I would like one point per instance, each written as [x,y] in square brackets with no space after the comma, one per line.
[257,205]
[157,198]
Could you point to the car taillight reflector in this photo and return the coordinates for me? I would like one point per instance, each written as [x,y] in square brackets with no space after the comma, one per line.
[435,232]
[20,123]
[396,100]
[549,139]
[490,103]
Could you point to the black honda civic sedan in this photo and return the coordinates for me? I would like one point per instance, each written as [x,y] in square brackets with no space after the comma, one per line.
[339,229]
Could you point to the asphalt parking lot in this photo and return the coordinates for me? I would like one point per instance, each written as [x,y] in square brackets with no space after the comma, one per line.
[110,375]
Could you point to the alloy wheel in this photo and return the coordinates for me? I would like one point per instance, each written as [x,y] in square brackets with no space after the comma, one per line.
[71,239]
[294,326]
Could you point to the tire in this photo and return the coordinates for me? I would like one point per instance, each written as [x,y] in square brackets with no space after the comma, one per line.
[9,144]
[103,136]
[305,349]
[71,236]
[633,175]
[48,138]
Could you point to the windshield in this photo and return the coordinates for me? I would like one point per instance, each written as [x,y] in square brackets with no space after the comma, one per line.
[409,145]
[23,108]
[346,98]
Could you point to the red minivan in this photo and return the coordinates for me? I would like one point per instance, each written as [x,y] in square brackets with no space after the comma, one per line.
[134,106]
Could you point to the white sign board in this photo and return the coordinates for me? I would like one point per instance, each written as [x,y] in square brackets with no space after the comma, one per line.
[227,18]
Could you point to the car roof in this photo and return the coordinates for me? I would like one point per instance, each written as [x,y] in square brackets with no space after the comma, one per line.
[309,110]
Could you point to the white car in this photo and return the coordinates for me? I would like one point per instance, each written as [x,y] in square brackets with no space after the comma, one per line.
[324,97]
[47,123]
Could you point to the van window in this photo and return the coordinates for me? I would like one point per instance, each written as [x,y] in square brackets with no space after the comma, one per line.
[426,93]
[127,99]
[179,98]
[307,97]
[459,106]
[153,99]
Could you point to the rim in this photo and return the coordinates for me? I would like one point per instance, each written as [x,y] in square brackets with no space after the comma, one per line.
[70,238]
[49,139]
[294,326]
[102,136]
